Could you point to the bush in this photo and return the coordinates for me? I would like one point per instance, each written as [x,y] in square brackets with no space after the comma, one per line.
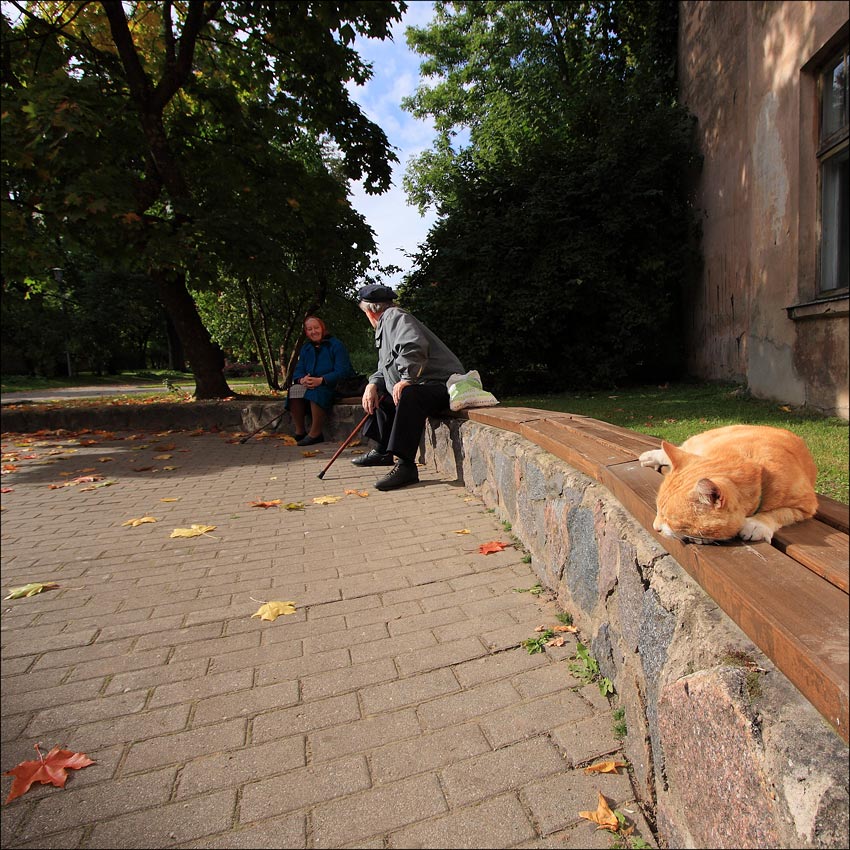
[243,370]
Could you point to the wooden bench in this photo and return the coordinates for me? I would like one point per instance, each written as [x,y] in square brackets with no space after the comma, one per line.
[789,596]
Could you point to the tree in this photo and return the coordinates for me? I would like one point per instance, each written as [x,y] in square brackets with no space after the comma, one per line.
[183,106]
[564,232]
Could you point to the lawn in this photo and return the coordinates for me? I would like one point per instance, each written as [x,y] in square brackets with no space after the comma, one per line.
[677,411]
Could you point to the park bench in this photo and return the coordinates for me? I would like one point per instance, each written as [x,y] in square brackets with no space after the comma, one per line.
[790,597]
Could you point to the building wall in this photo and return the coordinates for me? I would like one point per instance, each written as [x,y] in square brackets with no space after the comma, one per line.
[748,72]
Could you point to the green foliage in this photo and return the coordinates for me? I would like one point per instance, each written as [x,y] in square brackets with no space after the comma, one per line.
[620,729]
[564,236]
[586,669]
[212,140]
[564,617]
[534,590]
[538,644]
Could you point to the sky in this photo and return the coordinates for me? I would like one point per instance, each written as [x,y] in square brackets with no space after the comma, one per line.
[398,227]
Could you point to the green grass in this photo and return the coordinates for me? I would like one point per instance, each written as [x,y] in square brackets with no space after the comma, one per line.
[679,411]
[143,378]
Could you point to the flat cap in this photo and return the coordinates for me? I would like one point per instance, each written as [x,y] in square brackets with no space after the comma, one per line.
[374,293]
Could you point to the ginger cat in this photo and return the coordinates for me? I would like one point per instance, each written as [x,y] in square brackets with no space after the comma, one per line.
[739,480]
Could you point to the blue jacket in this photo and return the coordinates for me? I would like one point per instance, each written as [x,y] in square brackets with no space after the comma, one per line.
[329,360]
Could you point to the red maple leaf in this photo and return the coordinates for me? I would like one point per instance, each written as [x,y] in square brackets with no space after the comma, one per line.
[492,546]
[48,770]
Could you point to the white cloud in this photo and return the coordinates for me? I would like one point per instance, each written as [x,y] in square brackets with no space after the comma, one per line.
[398,227]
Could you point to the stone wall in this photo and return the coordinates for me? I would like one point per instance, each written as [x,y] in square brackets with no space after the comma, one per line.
[724,751]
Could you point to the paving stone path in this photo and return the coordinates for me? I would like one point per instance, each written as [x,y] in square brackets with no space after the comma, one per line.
[395,708]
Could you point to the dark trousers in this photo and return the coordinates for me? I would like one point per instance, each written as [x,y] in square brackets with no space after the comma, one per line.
[399,429]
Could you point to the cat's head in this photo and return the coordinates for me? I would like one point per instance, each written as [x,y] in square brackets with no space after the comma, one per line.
[699,502]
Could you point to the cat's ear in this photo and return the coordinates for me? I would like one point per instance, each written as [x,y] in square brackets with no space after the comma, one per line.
[674,454]
[709,493]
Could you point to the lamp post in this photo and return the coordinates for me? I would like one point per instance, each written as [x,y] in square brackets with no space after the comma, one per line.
[57,276]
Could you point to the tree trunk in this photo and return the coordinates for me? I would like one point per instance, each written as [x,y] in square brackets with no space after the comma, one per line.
[204,355]
[262,353]
[176,358]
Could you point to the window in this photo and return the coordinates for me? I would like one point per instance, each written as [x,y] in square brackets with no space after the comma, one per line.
[834,176]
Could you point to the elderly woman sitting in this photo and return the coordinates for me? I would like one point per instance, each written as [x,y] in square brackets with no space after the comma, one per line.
[323,362]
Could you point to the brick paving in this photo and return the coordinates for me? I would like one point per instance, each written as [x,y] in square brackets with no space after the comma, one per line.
[394,708]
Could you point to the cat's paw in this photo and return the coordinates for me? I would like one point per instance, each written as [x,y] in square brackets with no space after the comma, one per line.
[656,458]
[754,529]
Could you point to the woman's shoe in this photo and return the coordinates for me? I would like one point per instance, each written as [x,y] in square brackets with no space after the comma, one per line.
[299,437]
[311,441]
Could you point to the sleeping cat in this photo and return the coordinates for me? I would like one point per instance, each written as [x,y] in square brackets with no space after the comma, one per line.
[739,480]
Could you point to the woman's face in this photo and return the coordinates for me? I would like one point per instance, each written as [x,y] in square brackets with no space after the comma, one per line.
[313,330]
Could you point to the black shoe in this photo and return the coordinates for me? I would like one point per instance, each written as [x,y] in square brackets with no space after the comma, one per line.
[374,458]
[402,474]
[298,437]
[310,441]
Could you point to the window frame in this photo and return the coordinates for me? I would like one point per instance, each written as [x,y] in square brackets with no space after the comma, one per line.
[828,147]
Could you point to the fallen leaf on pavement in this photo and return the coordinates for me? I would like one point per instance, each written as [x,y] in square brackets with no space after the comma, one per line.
[312,453]
[463,531]
[362,493]
[558,641]
[98,485]
[163,457]
[195,530]
[571,629]
[274,503]
[30,589]
[272,610]
[170,499]
[48,770]
[605,766]
[492,546]
[603,816]
[295,506]
[140,521]
[326,500]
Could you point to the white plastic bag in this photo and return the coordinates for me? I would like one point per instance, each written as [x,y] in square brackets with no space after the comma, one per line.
[466,391]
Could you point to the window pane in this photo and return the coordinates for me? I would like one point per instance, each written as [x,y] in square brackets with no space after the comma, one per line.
[835,223]
[834,98]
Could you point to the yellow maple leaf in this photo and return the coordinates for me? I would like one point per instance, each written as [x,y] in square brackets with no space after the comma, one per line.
[170,499]
[463,531]
[605,766]
[362,493]
[195,530]
[30,589]
[272,610]
[326,500]
[603,816]
[312,453]
[141,520]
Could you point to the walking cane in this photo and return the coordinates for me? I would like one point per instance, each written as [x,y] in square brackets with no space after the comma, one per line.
[348,439]
[262,427]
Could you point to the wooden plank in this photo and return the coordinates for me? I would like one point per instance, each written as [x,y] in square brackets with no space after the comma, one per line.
[585,453]
[833,513]
[821,548]
[506,418]
[795,617]
[617,437]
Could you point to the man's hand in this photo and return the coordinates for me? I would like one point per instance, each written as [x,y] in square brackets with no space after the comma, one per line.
[397,390]
[370,398]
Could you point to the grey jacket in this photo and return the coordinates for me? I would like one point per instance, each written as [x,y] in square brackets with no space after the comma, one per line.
[408,351]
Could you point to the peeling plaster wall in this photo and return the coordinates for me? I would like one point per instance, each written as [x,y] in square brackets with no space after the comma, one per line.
[722,754]
[741,74]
